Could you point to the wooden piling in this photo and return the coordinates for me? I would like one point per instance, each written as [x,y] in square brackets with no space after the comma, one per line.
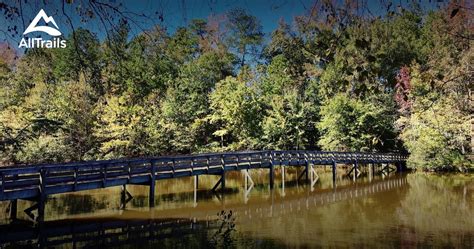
[334,171]
[354,175]
[223,173]
[307,171]
[223,180]
[123,195]
[272,175]
[151,195]
[41,208]
[373,169]
[195,189]
[272,171]
[42,196]
[13,209]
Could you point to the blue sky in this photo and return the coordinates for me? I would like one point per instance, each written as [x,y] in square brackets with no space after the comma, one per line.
[174,13]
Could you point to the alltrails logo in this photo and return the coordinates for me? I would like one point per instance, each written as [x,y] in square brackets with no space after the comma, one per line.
[56,42]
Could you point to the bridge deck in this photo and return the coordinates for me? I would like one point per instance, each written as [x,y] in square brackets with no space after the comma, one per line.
[28,182]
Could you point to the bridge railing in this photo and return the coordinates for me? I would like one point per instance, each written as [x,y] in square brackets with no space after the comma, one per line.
[74,176]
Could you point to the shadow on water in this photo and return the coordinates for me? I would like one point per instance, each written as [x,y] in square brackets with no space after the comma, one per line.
[124,232]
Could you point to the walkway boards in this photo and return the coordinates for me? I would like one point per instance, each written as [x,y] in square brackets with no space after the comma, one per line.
[31,182]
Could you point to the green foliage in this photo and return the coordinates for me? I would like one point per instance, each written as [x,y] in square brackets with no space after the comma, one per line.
[236,111]
[437,131]
[186,103]
[245,32]
[435,137]
[331,81]
[73,106]
[436,128]
[291,105]
[283,126]
[349,124]
[81,57]
[368,55]
[118,127]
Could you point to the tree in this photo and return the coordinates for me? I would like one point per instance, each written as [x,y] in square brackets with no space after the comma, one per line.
[337,79]
[435,125]
[291,106]
[437,138]
[287,44]
[82,56]
[284,124]
[245,33]
[119,128]
[349,124]
[237,113]
[115,46]
[73,106]
[25,123]
[186,103]
[182,46]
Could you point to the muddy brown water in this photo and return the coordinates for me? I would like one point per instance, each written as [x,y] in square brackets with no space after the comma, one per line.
[411,210]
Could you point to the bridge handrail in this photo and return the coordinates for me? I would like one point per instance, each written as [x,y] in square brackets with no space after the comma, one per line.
[140,166]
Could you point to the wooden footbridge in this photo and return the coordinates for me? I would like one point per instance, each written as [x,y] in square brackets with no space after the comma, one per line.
[36,182]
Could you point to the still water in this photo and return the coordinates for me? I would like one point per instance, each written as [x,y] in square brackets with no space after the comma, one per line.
[396,211]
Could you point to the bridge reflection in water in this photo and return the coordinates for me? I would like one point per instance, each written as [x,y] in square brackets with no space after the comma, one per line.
[123,230]
[36,182]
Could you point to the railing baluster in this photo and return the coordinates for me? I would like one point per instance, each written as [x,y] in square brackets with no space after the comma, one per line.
[101,170]
[75,178]
[2,186]
[104,175]
[222,162]
[173,165]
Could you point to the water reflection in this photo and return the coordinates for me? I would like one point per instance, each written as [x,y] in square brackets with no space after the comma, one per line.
[413,210]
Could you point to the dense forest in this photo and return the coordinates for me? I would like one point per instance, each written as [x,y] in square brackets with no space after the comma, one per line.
[332,79]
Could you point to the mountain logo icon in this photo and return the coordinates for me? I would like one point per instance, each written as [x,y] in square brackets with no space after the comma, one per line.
[47,19]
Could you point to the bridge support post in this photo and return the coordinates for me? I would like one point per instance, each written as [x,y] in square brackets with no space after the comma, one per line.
[307,170]
[196,182]
[41,208]
[282,180]
[223,180]
[272,172]
[125,197]
[223,173]
[384,169]
[356,172]
[151,195]
[42,197]
[399,167]
[373,169]
[248,187]
[334,173]
[369,173]
[314,177]
[13,209]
